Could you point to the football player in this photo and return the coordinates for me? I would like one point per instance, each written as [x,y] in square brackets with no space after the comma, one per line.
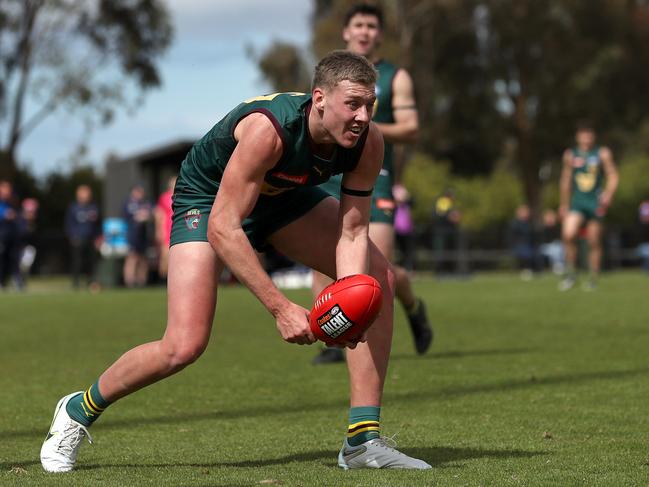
[585,200]
[249,183]
[395,115]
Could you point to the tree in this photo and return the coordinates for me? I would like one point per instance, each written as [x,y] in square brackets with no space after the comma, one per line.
[500,84]
[283,65]
[520,73]
[84,56]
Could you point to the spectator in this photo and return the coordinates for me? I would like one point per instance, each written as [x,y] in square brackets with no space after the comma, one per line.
[25,250]
[8,232]
[643,249]
[446,218]
[137,213]
[404,227]
[163,221]
[552,247]
[521,241]
[83,230]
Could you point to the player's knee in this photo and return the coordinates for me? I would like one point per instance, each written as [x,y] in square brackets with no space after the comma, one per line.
[383,272]
[594,244]
[180,355]
[400,274]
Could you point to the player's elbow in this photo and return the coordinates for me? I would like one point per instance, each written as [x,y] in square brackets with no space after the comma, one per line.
[409,134]
[413,133]
[216,234]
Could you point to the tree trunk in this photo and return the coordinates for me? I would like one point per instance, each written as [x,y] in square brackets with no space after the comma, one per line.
[7,165]
[527,162]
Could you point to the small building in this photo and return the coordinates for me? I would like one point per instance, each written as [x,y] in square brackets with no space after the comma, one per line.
[152,169]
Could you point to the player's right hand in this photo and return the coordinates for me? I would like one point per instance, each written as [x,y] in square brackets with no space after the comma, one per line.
[293,324]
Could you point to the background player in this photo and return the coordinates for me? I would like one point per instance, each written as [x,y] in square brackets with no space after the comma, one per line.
[395,114]
[585,200]
[252,181]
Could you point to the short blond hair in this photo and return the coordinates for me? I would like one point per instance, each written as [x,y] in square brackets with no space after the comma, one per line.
[343,65]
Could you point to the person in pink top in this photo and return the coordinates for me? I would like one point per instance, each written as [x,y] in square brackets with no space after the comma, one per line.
[163,220]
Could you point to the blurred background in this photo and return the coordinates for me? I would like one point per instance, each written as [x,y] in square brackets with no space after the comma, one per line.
[110,95]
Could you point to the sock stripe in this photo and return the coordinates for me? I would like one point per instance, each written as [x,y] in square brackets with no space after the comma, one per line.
[362,426]
[90,404]
[363,430]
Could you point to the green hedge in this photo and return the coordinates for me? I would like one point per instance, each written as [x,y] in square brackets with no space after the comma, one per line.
[489,202]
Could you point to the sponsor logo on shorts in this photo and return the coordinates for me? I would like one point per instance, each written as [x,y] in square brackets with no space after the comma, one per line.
[293,178]
[193,218]
[334,322]
[385,204]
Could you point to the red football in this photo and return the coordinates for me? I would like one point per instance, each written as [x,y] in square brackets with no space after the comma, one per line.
[345,309]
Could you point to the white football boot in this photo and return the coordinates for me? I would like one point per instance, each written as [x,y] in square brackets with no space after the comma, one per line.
[60,448]
[377,453]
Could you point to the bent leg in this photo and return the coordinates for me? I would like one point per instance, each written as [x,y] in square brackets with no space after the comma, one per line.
[382,234]
[192,266]
[304,241]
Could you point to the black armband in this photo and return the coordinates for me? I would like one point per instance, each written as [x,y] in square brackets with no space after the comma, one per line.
[356,192]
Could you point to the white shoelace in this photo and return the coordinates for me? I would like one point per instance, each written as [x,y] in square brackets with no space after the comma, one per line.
[389,443]
[72,437]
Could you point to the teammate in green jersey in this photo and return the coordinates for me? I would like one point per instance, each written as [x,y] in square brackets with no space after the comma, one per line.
[251,182]
[584,201]
[395,114]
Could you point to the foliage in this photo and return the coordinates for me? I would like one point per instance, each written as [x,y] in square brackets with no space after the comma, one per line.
[283,65]
[492,72]
[633,188]
[490,201]
[484,201]
[85,57]
[507,80]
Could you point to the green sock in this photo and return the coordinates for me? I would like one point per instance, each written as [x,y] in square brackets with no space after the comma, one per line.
[86,407]
[363,424]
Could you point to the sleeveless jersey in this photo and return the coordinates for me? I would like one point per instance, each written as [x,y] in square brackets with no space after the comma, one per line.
[203,168]
[587,175]
[383,112]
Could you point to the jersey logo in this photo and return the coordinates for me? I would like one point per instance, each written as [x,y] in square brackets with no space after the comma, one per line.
[293,178]
[193,218]
[578,161]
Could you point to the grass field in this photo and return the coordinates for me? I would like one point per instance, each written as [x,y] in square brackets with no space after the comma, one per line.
[525,386]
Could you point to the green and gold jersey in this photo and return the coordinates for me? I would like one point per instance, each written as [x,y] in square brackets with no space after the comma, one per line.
[587,176]
[383,112]
[203,168]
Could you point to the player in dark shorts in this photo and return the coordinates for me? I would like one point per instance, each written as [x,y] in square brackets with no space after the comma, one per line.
[584,201]
[251,182]
[395,114]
